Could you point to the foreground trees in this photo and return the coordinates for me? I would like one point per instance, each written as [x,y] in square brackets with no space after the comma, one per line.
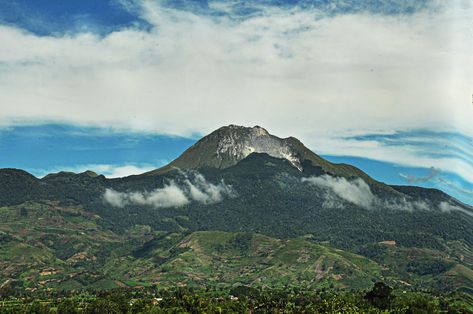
[380,299]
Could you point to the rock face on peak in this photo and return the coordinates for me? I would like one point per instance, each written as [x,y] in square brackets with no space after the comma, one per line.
[235,143]
[228,145]
[225,147]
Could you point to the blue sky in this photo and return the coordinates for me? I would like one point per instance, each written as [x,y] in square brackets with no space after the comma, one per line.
[58,17]
[41,149]
[124,86]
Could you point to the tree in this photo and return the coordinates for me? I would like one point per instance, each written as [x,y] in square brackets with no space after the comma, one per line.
[103,306]
[67,306]
[380,295]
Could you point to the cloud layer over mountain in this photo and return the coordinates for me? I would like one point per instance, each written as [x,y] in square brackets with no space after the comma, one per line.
[192,187]
[339,192]
[356,191]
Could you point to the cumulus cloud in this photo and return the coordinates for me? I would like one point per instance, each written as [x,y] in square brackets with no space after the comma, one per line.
[192,187]
[355,191]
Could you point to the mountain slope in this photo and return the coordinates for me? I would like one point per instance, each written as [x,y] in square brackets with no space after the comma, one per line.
[221,258]
[48,246]
[235,181]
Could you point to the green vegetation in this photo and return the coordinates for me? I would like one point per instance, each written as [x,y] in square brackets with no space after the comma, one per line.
[380,298]
[49,247]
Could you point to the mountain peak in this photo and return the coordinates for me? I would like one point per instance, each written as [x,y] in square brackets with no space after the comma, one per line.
[228,145]
[236,130]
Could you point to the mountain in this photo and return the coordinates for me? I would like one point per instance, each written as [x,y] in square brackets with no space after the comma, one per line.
[239,206]
[228,145]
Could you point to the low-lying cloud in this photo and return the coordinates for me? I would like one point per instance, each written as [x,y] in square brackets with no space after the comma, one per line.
[339,191]
[176,193]
[404,203]
[356,191]
[447,208]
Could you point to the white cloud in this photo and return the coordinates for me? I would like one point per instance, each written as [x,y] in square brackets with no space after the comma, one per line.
[168,196]
[356,191]
[193,187]
[447,207]
[295,72]
[124,170]
[403,203]
[196,65]
[207,193]
[114,198]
